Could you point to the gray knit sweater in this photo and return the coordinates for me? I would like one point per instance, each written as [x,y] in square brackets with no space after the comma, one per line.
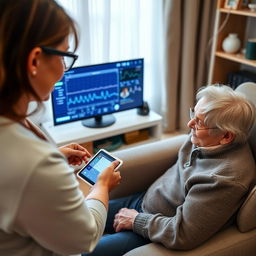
[197,196]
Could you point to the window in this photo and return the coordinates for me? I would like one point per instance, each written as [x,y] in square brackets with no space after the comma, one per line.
[112,30]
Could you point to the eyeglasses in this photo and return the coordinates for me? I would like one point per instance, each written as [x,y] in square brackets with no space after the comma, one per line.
[198,123]
[69,58]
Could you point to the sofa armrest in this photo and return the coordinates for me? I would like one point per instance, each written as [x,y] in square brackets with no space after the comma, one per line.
[224,243]
[145,163]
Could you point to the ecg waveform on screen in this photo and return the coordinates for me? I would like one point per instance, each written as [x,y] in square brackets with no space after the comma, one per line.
[91,80]
[135,89]
[130,73]
[91,98]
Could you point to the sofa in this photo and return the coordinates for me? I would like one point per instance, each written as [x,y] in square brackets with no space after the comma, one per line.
[145,163]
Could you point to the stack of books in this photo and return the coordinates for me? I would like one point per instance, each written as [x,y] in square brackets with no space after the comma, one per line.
[239,77]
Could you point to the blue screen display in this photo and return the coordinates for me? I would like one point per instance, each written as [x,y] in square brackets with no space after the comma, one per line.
[99,163]
[90,91]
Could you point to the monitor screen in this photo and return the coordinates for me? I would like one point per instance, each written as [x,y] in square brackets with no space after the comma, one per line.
[90,93]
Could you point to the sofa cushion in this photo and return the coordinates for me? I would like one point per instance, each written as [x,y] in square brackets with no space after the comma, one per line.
[228,242]
[252,141]
[246,217]
[249,89]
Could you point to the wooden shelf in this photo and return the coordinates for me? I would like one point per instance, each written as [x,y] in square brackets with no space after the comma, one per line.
[237,58]
[244,12]
[230,21]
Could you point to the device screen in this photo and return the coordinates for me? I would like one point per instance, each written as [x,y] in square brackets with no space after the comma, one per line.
[99,162]
[98,90]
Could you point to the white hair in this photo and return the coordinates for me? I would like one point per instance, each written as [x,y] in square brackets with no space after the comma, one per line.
[228,110]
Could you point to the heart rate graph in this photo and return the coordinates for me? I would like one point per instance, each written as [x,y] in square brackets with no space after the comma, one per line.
[135,89]
[96,96]
[92,89]
[130,74]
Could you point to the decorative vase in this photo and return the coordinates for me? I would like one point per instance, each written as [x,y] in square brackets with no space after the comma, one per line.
[231,44]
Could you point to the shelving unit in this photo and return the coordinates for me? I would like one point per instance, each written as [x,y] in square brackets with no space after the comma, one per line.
[126,121]
[222,63]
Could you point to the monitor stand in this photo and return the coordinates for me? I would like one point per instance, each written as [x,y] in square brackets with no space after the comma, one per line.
[99,121]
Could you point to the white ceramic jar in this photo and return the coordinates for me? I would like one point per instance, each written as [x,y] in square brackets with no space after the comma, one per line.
[231,44]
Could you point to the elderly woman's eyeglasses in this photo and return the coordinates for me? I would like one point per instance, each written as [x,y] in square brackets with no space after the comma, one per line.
[69,58]
[198,123]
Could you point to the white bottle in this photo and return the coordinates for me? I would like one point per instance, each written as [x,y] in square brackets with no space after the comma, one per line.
[231,44]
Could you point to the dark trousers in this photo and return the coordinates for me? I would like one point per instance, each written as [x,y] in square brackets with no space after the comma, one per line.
[117,244]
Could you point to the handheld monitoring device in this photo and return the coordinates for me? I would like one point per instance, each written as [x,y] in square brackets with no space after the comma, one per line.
[100,161]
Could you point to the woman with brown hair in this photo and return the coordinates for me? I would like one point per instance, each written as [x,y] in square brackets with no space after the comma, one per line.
[42,209]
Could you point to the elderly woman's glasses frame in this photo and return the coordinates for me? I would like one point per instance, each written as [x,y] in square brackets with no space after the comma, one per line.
[69,58]
[193,117]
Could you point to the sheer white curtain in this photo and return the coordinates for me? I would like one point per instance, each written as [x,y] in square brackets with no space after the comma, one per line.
[112,30]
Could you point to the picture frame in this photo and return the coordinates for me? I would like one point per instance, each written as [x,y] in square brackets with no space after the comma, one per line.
[233,4]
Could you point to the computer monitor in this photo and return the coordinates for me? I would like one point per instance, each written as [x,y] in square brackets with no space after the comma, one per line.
[92,93]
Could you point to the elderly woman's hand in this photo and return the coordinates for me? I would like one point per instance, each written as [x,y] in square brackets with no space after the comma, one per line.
[124,219]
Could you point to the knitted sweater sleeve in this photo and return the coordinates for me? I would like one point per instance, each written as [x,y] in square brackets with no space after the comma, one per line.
[209,203]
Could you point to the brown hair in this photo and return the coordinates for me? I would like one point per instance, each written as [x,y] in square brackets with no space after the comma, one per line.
[25,24]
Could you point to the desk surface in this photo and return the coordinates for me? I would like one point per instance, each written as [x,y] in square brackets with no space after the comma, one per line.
[126,121]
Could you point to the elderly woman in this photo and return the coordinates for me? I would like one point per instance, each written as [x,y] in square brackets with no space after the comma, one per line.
[202,192]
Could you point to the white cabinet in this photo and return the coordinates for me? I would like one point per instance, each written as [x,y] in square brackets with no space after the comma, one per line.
[126,121]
